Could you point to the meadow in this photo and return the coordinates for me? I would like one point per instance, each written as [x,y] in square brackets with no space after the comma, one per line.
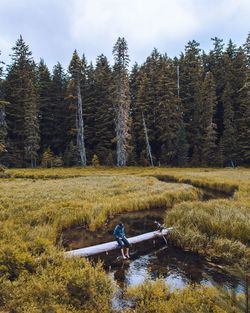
[37,205]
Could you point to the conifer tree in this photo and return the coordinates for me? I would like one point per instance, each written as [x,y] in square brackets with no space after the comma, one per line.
[135,111]
[22,113]
[215,64]
[121,100]
[148,102]
[243,116]
[168,105]
[31,127]
[229,134]
[3,124]
[181,147]
[191,75]
[46,114]
[103,106]
[57,121]
[89,114]
[208,127]
[76,70]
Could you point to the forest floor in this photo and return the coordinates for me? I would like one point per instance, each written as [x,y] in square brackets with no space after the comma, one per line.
[37,205]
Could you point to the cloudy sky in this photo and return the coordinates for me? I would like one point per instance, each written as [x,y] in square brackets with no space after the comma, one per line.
[54,28]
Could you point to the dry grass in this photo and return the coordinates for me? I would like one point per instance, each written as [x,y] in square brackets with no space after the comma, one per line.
[35,205]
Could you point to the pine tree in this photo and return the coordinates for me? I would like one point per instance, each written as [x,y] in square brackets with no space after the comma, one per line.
[243,116]
[208,127]
[76,70]
[90,107]
[22,113]
[103,107]
[31,127]
[147,105]
[47,158]
[58,111]
[135,112]
[168,106]
[46,114]
[181,147]
[3,124]
[215,64]
[121,100]
[229,134]
[191,75]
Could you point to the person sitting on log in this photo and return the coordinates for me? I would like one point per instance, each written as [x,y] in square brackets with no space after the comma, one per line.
[122,240]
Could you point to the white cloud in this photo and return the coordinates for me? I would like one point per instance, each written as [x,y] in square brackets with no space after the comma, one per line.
[54,28]
[140,21]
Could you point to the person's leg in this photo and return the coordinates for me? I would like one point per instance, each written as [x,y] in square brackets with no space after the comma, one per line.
[120,245]
[126,243]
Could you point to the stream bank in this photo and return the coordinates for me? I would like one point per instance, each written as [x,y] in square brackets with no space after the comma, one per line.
[152,260]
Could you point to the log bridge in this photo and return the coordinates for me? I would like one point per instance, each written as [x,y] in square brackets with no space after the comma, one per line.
[105,247]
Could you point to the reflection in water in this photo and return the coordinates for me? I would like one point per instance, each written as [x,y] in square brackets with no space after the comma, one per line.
[176,267]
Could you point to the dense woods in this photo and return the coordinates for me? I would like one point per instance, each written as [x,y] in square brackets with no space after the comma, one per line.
[191,110]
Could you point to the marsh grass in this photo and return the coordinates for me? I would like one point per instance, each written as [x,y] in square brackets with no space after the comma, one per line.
[156,297]
[37,205]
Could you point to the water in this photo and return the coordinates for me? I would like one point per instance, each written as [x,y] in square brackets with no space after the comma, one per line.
[176,267]
[152,259]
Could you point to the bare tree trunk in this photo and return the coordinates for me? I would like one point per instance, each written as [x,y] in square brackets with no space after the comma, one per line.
[122,124]
[104,247]
[80,127]
[149,154]
[178,80]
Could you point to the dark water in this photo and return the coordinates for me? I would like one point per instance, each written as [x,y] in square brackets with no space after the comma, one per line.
[151,259]
[176,267]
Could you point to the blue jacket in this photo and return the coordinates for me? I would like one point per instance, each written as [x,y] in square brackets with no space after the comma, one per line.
[119,231]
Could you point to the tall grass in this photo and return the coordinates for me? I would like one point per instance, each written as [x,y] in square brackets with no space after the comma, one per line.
[155,296]
[33,212]
[36,205]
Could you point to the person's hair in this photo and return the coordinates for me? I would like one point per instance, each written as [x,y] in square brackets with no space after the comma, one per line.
[121,224]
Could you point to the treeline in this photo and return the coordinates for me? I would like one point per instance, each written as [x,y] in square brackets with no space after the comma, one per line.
[192,110]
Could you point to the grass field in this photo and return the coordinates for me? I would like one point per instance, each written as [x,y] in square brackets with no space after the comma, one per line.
[36,205]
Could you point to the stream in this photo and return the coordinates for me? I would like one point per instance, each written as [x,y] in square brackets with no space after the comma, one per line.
[152,259]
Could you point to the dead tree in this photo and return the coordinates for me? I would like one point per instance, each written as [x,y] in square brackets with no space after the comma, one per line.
[76,71]
[149,154]
[121,101]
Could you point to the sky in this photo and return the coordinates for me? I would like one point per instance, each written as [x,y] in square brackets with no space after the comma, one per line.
[53,29]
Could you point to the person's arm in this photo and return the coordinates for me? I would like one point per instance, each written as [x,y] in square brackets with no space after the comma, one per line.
[122,232]
[116,232]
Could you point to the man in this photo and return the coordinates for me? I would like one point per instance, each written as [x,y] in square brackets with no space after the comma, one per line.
[122,240]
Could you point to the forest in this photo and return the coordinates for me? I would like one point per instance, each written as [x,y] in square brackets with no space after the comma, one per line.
[187,111]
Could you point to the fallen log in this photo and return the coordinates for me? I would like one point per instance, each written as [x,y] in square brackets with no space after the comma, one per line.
[105,247]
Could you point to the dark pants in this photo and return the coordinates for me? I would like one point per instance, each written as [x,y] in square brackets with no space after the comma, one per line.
[122,242]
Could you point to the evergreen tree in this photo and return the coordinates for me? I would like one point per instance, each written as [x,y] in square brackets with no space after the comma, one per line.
[229,134]
[89,94]
[135,112]
[104,113]
[3,124]
[76,70]
[191,76]
[46,114]
[181,147]
[121,100]
[58,111]
[168,105]
[243,116]
[22,113]
[31,127]
[215,64]
[208,127]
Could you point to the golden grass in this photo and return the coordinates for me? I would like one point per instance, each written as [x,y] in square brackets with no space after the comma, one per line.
[36,205]
[156,297]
